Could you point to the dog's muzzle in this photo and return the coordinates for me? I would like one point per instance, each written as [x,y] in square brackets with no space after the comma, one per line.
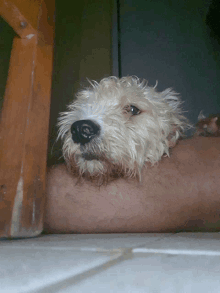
[83,131]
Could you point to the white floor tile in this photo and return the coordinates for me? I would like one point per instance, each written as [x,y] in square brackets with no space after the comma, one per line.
[159,273]
[185,243]
[24,269]
[167,263]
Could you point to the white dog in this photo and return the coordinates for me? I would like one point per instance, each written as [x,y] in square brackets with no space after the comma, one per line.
[116,126]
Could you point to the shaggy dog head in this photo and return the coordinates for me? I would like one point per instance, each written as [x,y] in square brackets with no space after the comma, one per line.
[114,127]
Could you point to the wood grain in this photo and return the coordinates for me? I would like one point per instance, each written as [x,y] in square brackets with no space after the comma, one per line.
[24,132]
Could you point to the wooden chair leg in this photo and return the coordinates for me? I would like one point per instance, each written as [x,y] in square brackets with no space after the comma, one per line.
[24,137]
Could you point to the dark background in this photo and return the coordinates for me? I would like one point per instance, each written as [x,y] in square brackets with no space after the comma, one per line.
[176,43]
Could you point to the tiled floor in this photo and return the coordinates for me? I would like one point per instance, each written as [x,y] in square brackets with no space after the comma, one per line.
[154,263]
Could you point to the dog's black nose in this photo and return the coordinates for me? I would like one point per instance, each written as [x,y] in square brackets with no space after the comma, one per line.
[83,131]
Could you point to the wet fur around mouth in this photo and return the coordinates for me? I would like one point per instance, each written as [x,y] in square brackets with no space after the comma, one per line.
[90,156]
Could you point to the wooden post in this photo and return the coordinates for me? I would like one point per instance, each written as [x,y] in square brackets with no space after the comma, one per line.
[25,117]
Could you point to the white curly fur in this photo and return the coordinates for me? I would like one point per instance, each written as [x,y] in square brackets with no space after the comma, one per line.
[126,141]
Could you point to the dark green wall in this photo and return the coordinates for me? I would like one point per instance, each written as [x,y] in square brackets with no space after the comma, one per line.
[82,50]
[6,38]
[176,43]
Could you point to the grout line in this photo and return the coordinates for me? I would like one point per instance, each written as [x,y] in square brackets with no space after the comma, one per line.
[122,250]
[71,281]
[66,248]
[71,248]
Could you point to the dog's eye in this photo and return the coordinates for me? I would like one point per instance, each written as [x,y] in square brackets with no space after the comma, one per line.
[133,110]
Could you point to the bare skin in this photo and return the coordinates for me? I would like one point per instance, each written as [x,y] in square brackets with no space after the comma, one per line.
[180,193]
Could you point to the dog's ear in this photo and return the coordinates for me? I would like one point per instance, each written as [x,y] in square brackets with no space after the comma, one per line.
[201,116]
